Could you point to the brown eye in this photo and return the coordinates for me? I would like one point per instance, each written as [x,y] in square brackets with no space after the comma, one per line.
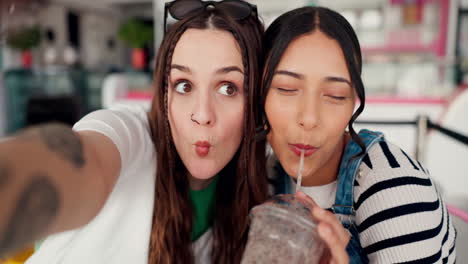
[183,87]
[228,89]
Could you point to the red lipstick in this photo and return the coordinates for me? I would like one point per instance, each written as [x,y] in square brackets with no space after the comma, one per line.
[202,148]
[297,148]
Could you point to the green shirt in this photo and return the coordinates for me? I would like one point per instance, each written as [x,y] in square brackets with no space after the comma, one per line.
[203,203]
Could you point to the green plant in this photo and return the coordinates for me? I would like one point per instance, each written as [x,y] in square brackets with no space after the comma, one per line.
[136,33]
[24,38]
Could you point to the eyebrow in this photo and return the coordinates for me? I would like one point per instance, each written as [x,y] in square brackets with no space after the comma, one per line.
[290,74]
[338,79]
[300,76]
[222,70]
[181,68]
[229,69]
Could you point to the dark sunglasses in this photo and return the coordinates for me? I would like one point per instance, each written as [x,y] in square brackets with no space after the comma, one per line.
[237,9]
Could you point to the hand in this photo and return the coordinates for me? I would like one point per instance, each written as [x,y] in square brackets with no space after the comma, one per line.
[336,237]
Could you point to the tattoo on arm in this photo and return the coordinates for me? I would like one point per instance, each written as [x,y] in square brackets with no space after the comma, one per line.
[63,141]
[5,175]
[37,207]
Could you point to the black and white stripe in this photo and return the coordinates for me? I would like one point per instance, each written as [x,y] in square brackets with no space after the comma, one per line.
[399,210]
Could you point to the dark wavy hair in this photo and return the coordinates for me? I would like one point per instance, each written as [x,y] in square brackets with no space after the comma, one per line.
[305,20]
[242,183]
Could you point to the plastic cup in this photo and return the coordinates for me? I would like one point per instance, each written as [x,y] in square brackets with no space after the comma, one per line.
[282,231]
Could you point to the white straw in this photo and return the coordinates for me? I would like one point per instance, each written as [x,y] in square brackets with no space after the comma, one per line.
[299,173]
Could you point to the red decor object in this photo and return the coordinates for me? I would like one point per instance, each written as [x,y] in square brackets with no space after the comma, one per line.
[138,59]
[26,59]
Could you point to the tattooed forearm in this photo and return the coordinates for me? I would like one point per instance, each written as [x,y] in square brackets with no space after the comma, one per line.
[5,175]
[63,141]
[37,207]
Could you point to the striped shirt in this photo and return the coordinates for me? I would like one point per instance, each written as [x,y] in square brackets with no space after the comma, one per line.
[400,216]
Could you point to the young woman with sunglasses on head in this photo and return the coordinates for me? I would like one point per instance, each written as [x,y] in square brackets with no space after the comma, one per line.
[173,185]
[383,197]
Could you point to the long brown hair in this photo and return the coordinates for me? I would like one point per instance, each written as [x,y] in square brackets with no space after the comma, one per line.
[242,183]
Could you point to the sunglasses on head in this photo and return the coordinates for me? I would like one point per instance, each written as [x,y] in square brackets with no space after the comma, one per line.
[179,9]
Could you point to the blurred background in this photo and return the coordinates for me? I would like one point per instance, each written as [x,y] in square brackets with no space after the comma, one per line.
[60,59]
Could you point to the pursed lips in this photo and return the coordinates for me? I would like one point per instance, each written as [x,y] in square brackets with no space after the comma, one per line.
[202,148]
[298,148]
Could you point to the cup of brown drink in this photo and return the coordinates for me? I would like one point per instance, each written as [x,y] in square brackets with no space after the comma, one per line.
[282,231]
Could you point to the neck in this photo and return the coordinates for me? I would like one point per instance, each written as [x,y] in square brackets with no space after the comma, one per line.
[199,184]
[329,171]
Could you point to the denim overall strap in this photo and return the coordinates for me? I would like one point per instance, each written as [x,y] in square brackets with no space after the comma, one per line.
[343,207]
[348,169]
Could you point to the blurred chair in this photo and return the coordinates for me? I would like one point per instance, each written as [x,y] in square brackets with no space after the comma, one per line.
[138,80]
[114,87]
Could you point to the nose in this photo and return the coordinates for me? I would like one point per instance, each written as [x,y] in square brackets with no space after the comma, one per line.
[203,113]
[308,113]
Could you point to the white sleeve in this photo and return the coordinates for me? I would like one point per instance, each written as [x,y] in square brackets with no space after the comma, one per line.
[400,216]
[127,127]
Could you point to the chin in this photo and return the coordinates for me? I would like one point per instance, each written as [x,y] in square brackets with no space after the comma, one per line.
[202,175]
[291,172]
[291,165]
[202,170]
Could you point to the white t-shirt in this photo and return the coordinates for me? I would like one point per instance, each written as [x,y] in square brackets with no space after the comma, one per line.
[120,233]
[323,195]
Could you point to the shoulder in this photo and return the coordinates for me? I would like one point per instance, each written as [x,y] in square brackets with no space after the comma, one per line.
[385,160]
[397,205]
[386,155]
[387,169]
[127,127]
[118,123]
[118,117]
[385,166]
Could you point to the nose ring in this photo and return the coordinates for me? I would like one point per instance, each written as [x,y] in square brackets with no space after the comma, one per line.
[193,120]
